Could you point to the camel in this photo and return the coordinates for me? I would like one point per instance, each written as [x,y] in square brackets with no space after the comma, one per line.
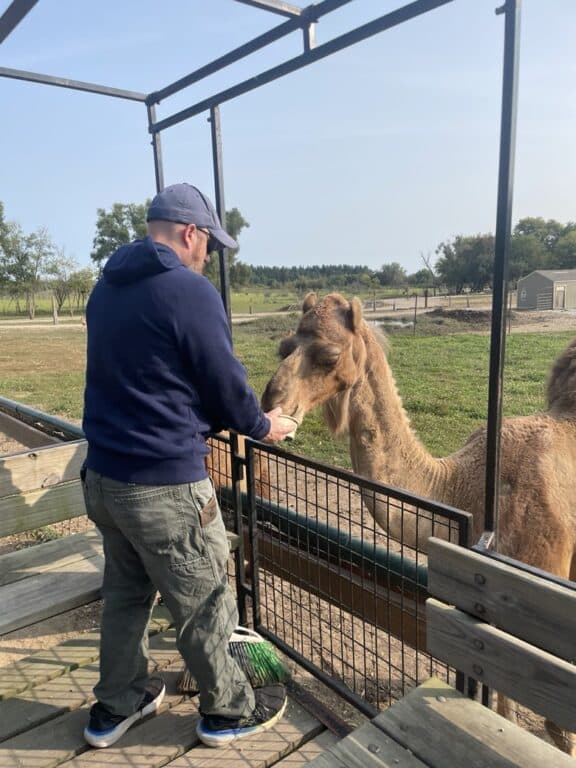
[337,361]
[219,467]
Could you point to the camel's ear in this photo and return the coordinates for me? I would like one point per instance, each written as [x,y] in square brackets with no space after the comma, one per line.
[355,314]
[309,301]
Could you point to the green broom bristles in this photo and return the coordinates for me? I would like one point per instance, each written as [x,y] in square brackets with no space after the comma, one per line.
[255,656]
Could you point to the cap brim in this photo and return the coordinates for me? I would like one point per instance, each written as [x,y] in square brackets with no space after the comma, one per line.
[223,238]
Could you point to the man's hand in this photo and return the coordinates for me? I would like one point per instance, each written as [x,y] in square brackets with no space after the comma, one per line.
[280,426]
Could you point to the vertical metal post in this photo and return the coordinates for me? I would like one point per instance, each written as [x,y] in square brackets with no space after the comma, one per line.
[252,514]
[220,205]
[511,11]
[156,149]
[237,465]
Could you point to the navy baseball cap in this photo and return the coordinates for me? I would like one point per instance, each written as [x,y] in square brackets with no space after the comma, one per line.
[185,204]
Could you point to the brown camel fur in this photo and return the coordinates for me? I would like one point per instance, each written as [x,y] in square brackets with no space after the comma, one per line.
[219,466]
[336,360]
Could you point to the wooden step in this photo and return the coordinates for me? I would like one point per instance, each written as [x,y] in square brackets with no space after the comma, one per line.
[73,690]
[52,662]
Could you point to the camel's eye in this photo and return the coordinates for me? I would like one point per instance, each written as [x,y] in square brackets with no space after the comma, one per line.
[287,346]
[324,355]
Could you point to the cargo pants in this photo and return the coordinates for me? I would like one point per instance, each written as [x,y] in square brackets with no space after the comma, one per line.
[169,539]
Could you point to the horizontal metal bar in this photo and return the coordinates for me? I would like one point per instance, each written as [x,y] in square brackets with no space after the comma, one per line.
[329,680]
[308,16]
[52,425]
[13,15]
[334,545]
[275,6]
[75,85]
[362,483]
[21,432]
[292,65]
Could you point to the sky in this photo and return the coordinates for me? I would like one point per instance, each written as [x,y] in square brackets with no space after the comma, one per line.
[373,155]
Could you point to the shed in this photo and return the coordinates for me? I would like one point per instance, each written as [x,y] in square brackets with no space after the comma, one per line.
[548,289]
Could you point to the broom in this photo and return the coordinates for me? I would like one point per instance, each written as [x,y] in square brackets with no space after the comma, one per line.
[255,656]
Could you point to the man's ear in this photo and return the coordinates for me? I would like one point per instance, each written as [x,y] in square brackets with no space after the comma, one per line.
[355,314]
[309,301]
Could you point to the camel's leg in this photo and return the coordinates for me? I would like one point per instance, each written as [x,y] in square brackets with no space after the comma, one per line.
[507,708]
[564,740]
[572,576]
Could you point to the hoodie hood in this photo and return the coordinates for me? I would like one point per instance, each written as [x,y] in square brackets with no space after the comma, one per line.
[138,260]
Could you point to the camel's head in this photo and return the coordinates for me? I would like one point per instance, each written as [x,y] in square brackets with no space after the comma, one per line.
[321,361]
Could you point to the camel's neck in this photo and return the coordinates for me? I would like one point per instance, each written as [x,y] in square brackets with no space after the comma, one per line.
[383,445]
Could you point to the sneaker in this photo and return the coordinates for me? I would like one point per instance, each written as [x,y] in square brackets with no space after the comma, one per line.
[104,728]
[216,731]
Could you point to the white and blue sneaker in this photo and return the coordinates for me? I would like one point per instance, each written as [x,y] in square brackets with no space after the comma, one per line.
[217,731]
[104,728]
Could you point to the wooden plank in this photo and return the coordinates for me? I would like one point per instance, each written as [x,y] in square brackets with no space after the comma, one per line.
[150,744]
[264,749]
[543,613]
[76,652]
[60,739]
[45,702]
[446,730]
[308,751]
[49,556]
[526,674]
[47,594]
[367,747]
[23,433]
[46,746]
[35,509]
[396,613]
[71,691]
[48,664]
[45,467]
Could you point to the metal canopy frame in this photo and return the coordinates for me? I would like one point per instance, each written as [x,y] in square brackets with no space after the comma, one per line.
[305,19]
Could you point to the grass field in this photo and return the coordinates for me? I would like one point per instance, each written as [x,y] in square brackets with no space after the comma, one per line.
[443,380]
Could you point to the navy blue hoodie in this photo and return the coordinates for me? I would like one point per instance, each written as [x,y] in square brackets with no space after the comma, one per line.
[161,373]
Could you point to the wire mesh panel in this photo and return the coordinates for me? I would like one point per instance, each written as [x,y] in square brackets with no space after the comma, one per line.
[339,573]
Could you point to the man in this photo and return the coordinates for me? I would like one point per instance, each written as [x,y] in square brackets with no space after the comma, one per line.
[161,375]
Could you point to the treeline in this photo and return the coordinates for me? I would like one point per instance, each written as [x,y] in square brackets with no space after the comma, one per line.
[465,263]
[314,277]
[31,262]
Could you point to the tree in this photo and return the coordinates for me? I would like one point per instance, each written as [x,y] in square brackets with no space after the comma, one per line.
[59,270]
[235,223]
[240,274]
[565,250]
[547,232]
[527,253]
[23,263]
[4,230]
[392,274]
[81,283]
[423,277]
[466,261]
[122,224]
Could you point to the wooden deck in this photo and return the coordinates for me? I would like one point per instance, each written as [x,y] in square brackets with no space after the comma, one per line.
[44,701]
